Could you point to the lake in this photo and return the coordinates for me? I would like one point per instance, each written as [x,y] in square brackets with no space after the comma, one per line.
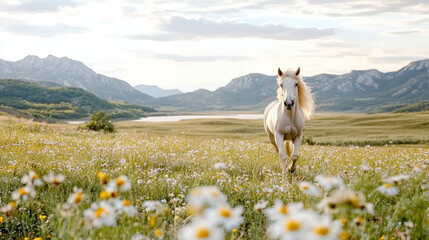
[185,117]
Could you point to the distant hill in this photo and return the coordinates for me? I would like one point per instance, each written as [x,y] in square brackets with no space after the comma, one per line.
[67,72]
[32,100]
[358,91]
[156,91]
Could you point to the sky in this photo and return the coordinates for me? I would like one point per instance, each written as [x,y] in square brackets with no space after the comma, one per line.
[194,44]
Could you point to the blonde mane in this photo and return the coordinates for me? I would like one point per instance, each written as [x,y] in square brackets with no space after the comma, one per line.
[305,97]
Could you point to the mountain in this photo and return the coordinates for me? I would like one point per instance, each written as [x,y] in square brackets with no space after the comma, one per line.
[67,72]
[32,100]
[156,91]
[358,91]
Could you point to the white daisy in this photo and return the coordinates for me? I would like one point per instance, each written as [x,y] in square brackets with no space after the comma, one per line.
[308,188]
[100,214]
[124,206]
[31,178]
[225,216]
[201,229]
[329,183]
[388,190]
[24,193]
[279,210]
[324,228]
[259,206]
[291,227]
[122,183]
[154,206]
[53,179]
[219,166]
[76,197]
[207,196]
[396,179]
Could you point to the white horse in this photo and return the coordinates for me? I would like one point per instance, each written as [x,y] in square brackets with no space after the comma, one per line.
[284,119]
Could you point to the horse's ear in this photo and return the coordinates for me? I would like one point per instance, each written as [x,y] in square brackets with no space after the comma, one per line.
[298,71]
[280,72]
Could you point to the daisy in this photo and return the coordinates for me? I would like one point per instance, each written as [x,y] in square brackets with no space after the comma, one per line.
[396,179]
[8,208]
[154,206]
[388,190]
[329,183]
[324,228]
[24,193]
[104,178]
[279,210]
[259,206]
[225,216]
[54,179]
[138,236]
[122,183]
[124,206]
[201,229]
[100,214]
[76,197]
[207,196]
[291,227]
[219,166]
[308,188]
[31,178]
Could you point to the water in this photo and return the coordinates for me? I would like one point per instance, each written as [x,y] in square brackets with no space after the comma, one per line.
[184,117]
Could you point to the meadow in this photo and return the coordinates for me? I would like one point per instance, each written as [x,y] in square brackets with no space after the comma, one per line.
[215,179]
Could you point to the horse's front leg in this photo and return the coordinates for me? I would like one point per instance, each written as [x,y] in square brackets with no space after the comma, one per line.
[279,138]
[296,144]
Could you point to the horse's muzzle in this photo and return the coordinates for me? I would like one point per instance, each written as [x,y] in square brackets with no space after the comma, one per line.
[289,104]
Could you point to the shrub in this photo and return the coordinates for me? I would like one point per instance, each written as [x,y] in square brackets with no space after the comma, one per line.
[100,121]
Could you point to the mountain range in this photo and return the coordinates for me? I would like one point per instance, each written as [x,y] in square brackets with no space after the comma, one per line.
[358,91]
[70,73]
[155,91]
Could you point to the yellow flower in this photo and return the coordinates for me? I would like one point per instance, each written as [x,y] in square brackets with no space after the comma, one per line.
[103,177]
[41,216]
[158,232]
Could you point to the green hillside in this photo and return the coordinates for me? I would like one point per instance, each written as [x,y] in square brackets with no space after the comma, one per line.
[28,99]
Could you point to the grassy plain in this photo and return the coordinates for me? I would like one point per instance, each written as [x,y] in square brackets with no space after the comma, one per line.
[164,162]
[323,129]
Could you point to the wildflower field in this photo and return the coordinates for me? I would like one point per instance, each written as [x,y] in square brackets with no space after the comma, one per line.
[58,182]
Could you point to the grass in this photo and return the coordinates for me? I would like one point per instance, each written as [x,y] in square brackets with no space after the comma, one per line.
[324,129]
[164,162]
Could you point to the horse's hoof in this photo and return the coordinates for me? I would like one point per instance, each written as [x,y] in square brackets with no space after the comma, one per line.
[292,169]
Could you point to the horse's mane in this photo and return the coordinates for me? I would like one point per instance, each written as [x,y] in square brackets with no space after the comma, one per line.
[305,97]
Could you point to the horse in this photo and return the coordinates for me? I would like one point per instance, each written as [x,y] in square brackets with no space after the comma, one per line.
[284,118]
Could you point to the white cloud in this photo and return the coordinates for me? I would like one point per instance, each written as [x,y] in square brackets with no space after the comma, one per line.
[179,28]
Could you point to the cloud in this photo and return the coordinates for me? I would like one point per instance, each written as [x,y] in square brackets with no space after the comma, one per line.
[405,32]
[181,58]
[179,28]
[37,6]
[44,31]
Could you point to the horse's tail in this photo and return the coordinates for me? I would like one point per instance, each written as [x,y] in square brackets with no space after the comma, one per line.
[289,148]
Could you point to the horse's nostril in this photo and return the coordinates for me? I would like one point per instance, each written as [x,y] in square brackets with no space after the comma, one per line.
[293,103]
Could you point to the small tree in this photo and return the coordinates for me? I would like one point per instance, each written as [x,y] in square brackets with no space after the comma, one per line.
[100,121]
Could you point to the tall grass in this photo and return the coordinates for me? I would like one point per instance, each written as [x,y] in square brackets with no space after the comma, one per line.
[166,168]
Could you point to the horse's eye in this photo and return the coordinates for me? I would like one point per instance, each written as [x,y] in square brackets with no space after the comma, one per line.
[296,84]
[281,85]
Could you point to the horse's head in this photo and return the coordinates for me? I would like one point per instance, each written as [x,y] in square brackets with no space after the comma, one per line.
[288,87]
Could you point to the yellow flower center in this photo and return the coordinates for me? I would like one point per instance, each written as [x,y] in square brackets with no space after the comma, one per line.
[202,233]
[126,203]
[225,212]
[322,230]
[22,191]
[283,210]
[344,235]
[158,232]
[104,195]
[114,194]
[214,193]
[103,177]
[387,185]
[305,187]
[78,198]
[55,181]
[35,176]
[292,225]
[354,201]
[120,181]
[152,221]
[12,204]
[99,212]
